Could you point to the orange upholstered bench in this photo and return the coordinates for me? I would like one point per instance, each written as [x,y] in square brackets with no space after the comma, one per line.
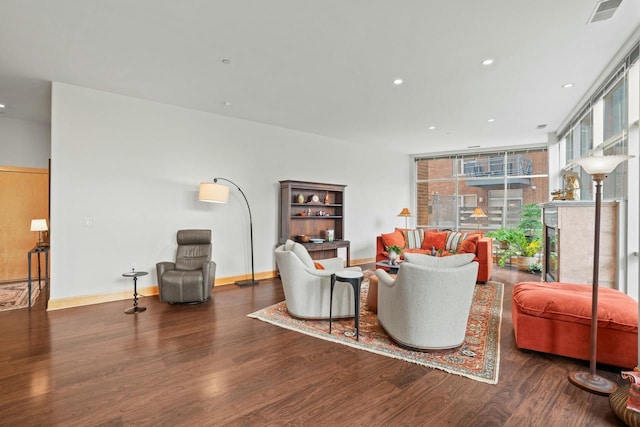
[556,318]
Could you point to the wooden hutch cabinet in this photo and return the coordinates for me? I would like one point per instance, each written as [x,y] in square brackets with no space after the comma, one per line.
[310,209]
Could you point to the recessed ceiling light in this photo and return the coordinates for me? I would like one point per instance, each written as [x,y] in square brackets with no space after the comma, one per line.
[473,146]
[3,106]
[567,85]
[397,82]
[487,61]
[432,127]
[491,120]
[226,103]
[226,61]
[541,126]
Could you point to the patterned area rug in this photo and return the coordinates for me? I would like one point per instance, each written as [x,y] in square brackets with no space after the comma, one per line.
[478,358]
[16,295]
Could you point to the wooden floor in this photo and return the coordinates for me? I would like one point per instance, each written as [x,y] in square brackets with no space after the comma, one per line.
[209,364]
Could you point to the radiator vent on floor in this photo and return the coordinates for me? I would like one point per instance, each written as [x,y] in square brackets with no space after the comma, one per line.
[604,10]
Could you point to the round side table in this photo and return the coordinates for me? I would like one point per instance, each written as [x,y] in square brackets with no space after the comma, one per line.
[135,275]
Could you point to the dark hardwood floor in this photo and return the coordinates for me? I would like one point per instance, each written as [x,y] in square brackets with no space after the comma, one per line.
[210,364]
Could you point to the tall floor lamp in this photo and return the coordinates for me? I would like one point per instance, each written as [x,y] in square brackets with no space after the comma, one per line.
[477,214]
[213,192]
[406,214]
[598,166]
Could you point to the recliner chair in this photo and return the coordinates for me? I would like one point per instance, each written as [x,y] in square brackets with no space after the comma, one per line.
[190,278]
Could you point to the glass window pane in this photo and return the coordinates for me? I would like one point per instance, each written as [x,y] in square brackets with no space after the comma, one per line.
[615,110]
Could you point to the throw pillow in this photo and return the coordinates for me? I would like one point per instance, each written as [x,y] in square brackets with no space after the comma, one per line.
[393,239]
[435,239]
[469,244]
[413,238]
[301,252]
[438,262]
[318,266]
[454,241]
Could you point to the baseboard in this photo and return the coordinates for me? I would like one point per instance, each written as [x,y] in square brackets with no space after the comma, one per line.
[61,303]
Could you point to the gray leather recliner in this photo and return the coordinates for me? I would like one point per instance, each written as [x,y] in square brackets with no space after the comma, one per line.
[190,278]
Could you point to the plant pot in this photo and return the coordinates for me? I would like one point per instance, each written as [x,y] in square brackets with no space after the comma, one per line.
[393,257]
[524,262]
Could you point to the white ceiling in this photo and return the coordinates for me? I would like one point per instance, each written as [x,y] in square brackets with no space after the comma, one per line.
[324,67]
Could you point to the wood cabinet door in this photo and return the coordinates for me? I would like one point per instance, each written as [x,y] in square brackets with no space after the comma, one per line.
[24,195]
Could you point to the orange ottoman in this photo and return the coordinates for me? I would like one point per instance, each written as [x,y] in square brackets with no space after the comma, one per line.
[556,318]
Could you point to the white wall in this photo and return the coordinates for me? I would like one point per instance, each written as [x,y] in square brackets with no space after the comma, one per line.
[126,174]
[24,143]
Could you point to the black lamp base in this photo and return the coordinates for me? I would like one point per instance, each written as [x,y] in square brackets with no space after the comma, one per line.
[134,310]
[247,283]
[592,383]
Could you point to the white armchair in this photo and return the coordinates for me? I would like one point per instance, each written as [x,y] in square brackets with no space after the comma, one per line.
[426,308]
[307,289]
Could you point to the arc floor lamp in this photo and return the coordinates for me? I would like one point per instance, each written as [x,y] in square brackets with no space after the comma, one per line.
[598,166]
[213,192]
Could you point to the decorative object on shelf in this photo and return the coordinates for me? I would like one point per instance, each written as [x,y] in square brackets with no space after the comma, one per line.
[394,254]
[572,186]
[40,225]
[598,166]
[330,234]
[300,198]
[406,214]
[213,192]
[303,238]
[326,197]
[314,199]
[478,213]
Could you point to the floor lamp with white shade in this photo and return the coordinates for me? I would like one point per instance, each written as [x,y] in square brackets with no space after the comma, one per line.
[213,192]
[598,166]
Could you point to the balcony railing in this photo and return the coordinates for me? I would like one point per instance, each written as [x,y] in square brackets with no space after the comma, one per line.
[517,165]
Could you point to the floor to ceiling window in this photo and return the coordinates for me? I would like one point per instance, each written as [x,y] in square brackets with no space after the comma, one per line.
[450,188]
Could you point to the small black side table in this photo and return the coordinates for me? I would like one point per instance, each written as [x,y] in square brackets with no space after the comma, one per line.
[354,278]
[135,275]
[38,250]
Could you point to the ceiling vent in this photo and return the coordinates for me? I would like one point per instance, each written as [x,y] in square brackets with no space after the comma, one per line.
[604,10]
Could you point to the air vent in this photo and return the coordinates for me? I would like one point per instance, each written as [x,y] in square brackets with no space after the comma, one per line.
[604,10]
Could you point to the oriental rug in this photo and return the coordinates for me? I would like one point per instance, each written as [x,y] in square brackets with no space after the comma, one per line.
[478,358]
[16,295]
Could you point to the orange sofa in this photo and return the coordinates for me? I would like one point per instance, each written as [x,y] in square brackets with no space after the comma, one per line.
[483,248]
[556,318]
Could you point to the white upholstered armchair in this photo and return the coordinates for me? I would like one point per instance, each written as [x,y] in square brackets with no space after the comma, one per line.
[307,288]
[426,308]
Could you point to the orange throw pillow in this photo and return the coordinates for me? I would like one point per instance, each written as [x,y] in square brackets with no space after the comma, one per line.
[468,245]
[435,239]
[393,239]
[318,266]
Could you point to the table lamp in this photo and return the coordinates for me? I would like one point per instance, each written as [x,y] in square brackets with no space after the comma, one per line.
[39,225]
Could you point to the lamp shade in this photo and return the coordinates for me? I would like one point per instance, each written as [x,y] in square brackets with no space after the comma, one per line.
[478,213]
[405,212]
[39,225]
[599,163]
[213,192]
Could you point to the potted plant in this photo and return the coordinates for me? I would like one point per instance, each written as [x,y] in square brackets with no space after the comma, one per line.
[394,253]
[507,239]
[528,249]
